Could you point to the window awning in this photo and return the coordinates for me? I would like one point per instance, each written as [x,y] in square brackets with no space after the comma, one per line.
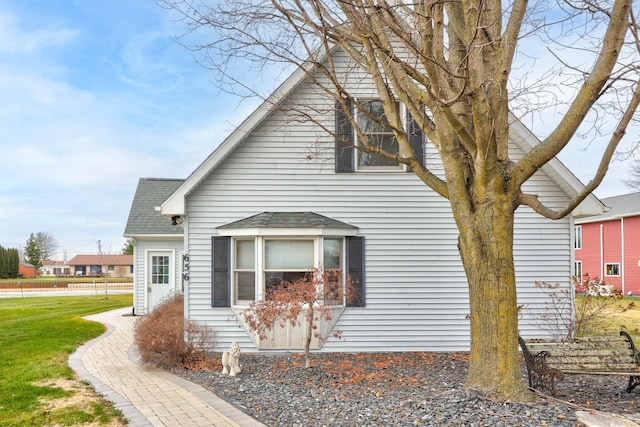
[286,223]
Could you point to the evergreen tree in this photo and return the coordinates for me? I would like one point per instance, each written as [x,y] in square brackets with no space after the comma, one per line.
[32,252]
[128,247]
[4,263]
[9,263]
[14,262]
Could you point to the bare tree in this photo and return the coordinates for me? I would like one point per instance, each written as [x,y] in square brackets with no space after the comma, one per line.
[47,244]
[104,256]
[451,65]
[307,301]
[633,182]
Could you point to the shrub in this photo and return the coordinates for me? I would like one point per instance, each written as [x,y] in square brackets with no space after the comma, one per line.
[307,301]
[594,304]
[164,339]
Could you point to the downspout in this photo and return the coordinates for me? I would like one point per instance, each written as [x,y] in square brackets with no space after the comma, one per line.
[601,251]
[572,286]
[622,271]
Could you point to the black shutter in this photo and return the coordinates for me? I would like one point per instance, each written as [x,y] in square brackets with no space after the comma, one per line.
[344,132]
[416,139]
[220,274]
[355,270]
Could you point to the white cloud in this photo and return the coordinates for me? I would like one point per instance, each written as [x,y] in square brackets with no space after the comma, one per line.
[18,37]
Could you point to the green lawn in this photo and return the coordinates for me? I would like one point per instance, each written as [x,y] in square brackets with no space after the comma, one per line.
[623,314]
[37,335]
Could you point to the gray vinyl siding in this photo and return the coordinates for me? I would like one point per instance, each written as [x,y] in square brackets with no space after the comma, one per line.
[416,289]
[141,248]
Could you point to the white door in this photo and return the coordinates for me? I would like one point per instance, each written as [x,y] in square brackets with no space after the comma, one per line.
[159,277]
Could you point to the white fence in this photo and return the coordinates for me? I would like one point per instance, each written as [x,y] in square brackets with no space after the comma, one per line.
[96,286]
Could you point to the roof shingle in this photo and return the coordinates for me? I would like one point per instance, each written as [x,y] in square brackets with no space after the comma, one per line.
[619,206]
[143,217]
[102,260]
[288,220]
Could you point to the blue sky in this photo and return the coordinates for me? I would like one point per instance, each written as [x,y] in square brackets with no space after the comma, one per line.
[95,95]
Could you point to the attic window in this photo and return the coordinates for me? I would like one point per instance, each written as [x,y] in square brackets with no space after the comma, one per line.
[375,126]
[372,121]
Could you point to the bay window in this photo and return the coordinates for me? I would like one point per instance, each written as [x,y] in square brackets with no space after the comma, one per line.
[244,272]
[251,257]
[282,259]
[286,261]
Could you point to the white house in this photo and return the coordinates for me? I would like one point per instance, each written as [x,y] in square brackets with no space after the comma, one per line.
[280,196]
[54,268]
[158,245]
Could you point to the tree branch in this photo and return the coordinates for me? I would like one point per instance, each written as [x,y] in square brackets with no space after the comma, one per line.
[585,99]
[533,201]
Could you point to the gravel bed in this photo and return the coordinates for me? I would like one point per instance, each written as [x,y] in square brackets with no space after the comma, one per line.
[397,389]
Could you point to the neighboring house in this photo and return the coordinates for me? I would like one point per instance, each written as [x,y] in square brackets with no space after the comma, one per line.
[607,245]
[26,270]
[157,246]
[268,204]
[102,265]
[55,268]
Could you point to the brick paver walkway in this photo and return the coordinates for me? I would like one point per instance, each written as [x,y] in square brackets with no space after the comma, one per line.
[147,396]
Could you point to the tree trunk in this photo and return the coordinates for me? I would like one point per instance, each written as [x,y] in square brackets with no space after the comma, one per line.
[486,248]
[309,337]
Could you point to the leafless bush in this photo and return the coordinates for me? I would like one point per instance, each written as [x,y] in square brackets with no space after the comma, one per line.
[307,301]
[164,339]
[594,303]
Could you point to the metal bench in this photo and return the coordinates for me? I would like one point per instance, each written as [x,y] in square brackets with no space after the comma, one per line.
[548,361]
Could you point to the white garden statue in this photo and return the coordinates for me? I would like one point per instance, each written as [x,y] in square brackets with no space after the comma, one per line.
[231,360]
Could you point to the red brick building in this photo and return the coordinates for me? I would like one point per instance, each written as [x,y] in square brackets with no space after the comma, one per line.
[27,271]
[608,245]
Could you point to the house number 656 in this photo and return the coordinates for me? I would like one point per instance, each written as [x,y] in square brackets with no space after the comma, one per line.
[185,267]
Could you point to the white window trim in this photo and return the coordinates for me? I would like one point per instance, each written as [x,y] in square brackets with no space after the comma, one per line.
[259,254]
[577,244]
[235,268]
[577,273]
[170,273]
[612,275]
[260,275]
[400,167]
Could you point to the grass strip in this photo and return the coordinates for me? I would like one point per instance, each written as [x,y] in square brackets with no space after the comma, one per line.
[37,335]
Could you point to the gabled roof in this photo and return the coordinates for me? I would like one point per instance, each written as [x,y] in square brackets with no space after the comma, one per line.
[556,170]
[144,219]
[520,134]
[50,263]
[102,260]
[175,204]
[619,207]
